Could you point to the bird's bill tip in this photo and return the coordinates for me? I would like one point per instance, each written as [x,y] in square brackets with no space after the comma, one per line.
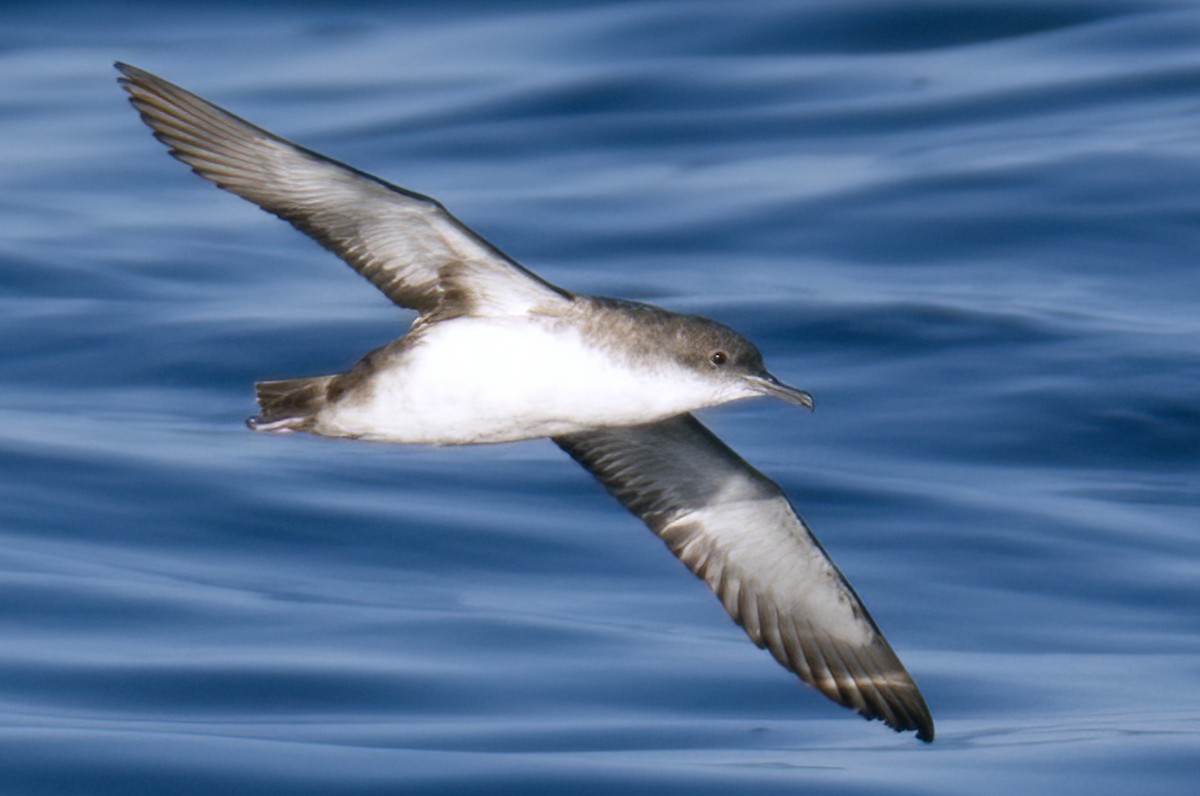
[767,384]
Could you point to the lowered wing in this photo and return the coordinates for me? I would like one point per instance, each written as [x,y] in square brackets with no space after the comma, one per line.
[734,528]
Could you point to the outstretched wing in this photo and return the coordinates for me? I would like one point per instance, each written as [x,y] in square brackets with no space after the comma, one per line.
[735,529]
[406,244]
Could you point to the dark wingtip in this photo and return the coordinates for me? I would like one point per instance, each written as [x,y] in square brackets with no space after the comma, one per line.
[128,76]
[921,721]
[925,731]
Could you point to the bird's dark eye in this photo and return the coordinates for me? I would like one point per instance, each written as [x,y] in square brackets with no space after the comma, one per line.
[718,358]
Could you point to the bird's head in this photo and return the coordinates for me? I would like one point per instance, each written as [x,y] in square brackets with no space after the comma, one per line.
[719,354]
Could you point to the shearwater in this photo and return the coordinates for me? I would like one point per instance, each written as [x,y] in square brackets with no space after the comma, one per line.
[498,354]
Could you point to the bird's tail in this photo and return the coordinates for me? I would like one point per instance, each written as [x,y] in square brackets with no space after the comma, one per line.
[289,405]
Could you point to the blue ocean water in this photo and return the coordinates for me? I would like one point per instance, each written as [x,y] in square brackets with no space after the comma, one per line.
[969,227]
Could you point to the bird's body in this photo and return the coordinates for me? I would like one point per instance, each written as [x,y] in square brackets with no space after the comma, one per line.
[498,354]
[565,366]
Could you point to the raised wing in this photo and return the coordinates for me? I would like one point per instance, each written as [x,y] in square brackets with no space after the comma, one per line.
[735,529]
[406,244]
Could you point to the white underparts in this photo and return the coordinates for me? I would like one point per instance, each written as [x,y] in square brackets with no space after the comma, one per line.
[475,379]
